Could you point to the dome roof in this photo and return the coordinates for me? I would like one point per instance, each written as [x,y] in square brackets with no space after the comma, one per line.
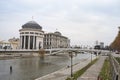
[57,33]
[32,25]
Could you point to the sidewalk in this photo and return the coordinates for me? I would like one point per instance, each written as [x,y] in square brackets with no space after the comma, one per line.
[65,72]
[93,72]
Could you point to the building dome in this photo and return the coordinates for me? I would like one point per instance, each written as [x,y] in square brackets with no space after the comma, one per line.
[57,33]
[32,25]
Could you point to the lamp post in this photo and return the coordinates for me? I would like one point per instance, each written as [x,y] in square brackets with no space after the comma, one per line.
[91,56]
[71,56]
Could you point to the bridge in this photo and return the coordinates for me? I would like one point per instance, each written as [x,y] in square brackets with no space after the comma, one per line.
[53,51]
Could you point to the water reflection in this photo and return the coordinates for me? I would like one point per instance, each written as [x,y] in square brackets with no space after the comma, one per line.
[42,59]
[34,67]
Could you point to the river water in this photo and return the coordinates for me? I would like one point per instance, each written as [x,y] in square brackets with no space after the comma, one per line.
[35,67]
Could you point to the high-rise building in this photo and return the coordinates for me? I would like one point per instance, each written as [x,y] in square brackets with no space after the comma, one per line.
[102,45]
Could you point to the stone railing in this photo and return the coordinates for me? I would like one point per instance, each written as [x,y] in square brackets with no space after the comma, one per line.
[115,68]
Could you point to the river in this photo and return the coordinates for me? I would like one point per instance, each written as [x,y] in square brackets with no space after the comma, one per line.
[35,67]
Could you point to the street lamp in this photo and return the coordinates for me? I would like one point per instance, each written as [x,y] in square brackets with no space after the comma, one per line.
[71,56]
[91,56]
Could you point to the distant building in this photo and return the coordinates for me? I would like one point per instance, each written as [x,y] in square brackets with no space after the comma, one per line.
[102,45]
[55,40]
[5,45]
[14,43]
[99,45]
[1,46]
[31,36]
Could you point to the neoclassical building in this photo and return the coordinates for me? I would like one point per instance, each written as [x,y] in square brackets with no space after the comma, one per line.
[14,43]
[11,44]
[31,36]
[55,40]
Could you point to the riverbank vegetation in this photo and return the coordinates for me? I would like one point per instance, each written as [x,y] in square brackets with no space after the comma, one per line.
[81,71]
[105,71]
[118,59]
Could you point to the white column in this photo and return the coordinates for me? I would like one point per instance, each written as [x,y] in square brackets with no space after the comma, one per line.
[28,42]
[24,43]
[20,42]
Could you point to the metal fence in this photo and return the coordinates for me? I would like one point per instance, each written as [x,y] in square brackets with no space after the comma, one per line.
[115,68]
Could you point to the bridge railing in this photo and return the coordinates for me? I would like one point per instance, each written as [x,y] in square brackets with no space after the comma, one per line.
[115,68]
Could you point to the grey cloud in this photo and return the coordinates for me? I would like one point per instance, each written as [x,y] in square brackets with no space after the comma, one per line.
[80,20]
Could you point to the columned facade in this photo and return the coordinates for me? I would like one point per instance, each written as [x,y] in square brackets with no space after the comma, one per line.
[31,36]
[55,40]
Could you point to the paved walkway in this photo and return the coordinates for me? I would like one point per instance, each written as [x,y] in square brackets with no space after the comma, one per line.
[93,72]
[65,72]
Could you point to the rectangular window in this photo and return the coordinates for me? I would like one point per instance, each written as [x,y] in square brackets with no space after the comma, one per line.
[31,33]
[26,32]
[36,33]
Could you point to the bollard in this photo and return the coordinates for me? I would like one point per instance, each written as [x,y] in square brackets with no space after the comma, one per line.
[10,68]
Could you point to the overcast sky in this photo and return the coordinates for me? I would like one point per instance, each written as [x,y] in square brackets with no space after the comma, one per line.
[82,21]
